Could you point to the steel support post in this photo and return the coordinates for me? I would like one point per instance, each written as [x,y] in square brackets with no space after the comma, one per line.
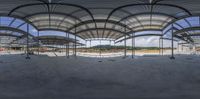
[172,43]
[73,46]
[38,34]
[85,43]
[66,44]
[178,48]
[100,49]
[68,51]
[0,37]
[132,46]
[0,45]
[159,47]
[90,43]
[27,43]
[125,46]
[75,43]
[110,44]
[125,42]
[162,46]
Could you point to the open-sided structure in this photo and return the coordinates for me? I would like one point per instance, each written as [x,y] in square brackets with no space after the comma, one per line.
[175,20]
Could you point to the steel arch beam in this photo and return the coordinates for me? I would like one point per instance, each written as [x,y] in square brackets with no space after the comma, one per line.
[128,33]
[139,36]
[177,30]
[64,14]
[19,18]
[167,39]
[186,30]
[64,4]
[59,13]
[159,30]
[16,30]
[42,20]
[127,12]
[101,29]
[193,35]
[47,25]
[13,29]
[141,4]
[189,38]
[97,21]
[47,29]
[133,15]
[91,29]
[174,21]
[172,28]
[147,25]
[11,35]
[129,5]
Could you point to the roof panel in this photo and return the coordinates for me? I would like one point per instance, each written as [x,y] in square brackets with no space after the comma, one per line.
[137,14]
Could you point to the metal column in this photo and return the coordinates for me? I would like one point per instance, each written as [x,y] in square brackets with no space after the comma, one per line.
[125,41]
[75,43]
[38,43]
[100,49]
[68,51]
[67,46]
[159,46]
[162,46]
[90,43]
[0,44]
[85,43]
[27,43]
[178,49]
[0,37]
[73,47]
[172,42]
[125,46]
[132,46]
[110,44]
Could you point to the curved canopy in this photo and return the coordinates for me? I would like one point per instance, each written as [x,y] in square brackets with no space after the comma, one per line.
[193,32]
[100,19]
[183,28]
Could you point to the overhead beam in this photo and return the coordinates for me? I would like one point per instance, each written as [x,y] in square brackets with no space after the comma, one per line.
[186,30]
[64,4]
[142,4]
[97,21]
[134,36]
[60,31]
[9,35]
[121,32]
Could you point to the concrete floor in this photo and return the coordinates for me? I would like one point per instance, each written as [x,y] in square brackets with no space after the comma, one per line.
[145,77]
